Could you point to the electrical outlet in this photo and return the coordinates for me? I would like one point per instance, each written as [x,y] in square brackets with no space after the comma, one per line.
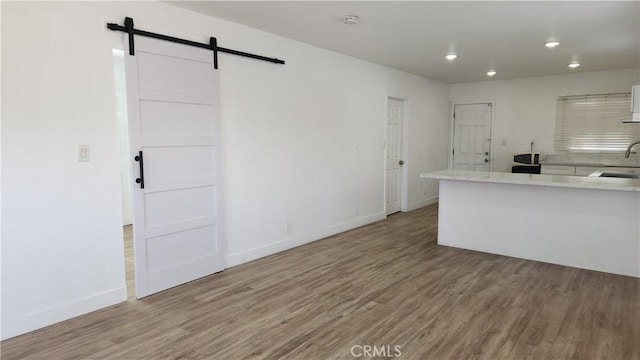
[287,227]
[355,211]
[83,152]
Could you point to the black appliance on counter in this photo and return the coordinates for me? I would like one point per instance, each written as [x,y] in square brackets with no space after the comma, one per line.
[527,163]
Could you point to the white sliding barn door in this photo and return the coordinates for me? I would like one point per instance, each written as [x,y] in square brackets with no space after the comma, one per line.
[174,119]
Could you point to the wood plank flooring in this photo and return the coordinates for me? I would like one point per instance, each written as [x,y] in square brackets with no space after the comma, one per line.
[128,261]
[387,283]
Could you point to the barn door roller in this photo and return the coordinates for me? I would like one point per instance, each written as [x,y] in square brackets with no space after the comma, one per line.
[212,45]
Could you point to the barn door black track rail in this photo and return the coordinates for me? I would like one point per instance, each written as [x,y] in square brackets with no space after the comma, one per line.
[212,45]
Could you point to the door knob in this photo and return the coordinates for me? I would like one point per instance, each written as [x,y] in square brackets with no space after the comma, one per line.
[486,160]
[486,153]
[401,162]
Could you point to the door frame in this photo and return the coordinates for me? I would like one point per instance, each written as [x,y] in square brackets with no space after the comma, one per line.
[452,128]
[404,148]
[118,54]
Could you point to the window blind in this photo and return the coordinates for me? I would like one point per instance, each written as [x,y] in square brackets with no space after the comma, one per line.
[593,123]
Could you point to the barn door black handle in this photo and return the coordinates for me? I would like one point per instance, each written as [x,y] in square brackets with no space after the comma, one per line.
[140,161]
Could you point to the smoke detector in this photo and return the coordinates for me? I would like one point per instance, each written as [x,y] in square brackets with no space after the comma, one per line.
[351,19]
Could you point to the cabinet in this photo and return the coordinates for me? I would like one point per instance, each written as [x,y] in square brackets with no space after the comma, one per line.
[558,170]
[586,170]
[569,170]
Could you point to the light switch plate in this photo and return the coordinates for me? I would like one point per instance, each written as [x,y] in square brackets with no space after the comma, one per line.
[83,152]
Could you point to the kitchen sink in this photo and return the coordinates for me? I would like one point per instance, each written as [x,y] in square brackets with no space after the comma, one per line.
[620,175]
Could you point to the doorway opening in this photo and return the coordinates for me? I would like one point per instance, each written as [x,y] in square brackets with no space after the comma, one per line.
[125,170]
[395,156]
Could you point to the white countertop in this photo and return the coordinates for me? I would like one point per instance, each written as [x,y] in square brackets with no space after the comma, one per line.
[585,182]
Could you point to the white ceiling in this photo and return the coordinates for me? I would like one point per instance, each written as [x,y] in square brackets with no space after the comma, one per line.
[507,36]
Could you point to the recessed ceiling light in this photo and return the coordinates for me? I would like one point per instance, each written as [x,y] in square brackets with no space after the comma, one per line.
[351,19]
[451,56]
[491,72]
[574,65]
[552,44]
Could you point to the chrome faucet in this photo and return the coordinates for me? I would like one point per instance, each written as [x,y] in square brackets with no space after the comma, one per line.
[626,154]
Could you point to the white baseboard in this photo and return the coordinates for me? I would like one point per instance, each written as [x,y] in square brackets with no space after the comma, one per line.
[286,244]
[422,203]
[234,259]
[13,325]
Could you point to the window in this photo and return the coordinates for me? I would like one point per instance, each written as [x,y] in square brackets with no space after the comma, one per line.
[593,123]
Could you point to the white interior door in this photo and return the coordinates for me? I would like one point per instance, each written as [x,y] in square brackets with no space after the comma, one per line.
[472,136]
[173,104]
[393,155]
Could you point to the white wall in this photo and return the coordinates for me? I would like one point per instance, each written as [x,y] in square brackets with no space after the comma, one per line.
[525,108]
[302,143]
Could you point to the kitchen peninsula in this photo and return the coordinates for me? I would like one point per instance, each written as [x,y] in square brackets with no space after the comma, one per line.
[584,222]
